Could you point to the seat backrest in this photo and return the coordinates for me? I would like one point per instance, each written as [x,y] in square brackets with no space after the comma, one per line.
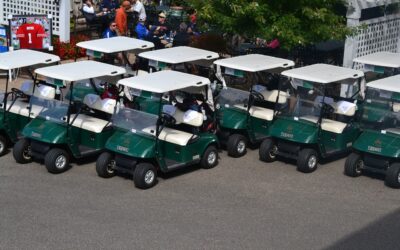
[396,107]
[27,87]
[190,117]
[95,102]
[45,92]
[271,96]
[344,108]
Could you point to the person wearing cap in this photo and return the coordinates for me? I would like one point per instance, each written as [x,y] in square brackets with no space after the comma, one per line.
[121,18]
[141,31]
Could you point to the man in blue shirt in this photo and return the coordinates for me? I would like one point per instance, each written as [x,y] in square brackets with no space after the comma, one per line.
[111,31]
[141,31]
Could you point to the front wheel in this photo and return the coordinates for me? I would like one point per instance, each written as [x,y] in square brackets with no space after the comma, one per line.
[237,145]
[105,165]
[22,152]
[353,165]
[393,176]
[268,150]
[145,176]
[3,145]
[307,161]
[210,158]
[56,161]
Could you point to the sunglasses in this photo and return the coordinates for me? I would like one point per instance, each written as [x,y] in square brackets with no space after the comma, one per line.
[113,25]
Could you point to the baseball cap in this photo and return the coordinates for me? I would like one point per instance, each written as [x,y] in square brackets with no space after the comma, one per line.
[162,14]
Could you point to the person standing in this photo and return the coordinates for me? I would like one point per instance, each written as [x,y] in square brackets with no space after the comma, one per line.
[138,7]
[121,18]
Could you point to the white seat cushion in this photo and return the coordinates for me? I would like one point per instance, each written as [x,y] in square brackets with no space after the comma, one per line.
[327,124]
[396,107]
[89,123]
[19,107]
[27,87]
[310,118]
[189,117]
[171,135]
[394,130]
[45,92]
[95,102]
[344,108]
[271,95]
[258,112]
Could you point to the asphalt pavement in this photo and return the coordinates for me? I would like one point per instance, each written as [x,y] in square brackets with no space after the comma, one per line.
[240,204]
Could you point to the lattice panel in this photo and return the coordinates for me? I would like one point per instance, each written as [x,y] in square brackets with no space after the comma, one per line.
[21,7]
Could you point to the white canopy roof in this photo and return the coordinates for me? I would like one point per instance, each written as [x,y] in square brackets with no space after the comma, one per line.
[179,54]
[389,84]
[323,73]
[81,70]
[164,81]
[384,59]
[115,44]
[254,62]
[24,58]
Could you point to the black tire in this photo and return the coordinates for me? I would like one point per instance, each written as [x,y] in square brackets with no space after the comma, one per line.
[353,165]
[145,176]
[105,165]
[307,161]
[210,158]
[393,176]
[21,152]
[237,145]
[3,145]
[56,161]
[268,150]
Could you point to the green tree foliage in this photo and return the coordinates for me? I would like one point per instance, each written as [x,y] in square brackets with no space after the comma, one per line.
[293,22]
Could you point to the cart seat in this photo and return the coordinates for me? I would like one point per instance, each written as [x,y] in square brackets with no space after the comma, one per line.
[90,123]
[394,130]
[271,95]
[344,108]
[259,112]
[190,117]
[396,107]
[95,102]
[22,108]
[27,87]
[327,124]
[171,135]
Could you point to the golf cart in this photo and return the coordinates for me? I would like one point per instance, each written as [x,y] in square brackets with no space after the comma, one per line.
[379,65]
[377,149]
[15,111]
[68,128]
[246,109]
[145,143]
[320,120]
[106,49]
[181,58]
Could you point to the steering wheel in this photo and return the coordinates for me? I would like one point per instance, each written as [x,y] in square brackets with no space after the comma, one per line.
[18,92]
[167,118]
[327,109]
[257,95]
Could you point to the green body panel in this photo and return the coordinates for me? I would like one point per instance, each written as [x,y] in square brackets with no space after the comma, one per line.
[130,144]
[333,142]
[296,131]
[12,124]
[232,118]
[42,130]
[81,137]
[258,128]
[374,142]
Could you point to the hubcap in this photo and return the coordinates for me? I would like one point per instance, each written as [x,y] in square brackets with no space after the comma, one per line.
[26,153]
[359,166]
[211,158]
[149,177]
[398,178]
[61,161]
[273,152]
[312,161]
[110,167]
[2,146]
[241,147]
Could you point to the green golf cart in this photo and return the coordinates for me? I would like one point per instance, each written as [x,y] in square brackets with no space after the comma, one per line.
[377,149]
[71,128]
[246,109]
[321,118]
[15,111]
[145,143]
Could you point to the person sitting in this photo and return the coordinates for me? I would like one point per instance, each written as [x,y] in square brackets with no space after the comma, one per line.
[141,31]
[111,31]
[89,12]
[182,38]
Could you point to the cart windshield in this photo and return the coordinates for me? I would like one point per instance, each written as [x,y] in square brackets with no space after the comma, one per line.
[230,97]
[381,110]
[2,94]
[135,121]
[51,110]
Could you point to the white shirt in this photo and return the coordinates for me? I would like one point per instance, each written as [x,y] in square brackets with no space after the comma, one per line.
[139,7]
[88,9]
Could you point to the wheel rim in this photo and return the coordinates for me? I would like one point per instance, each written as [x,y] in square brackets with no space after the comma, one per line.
[312,162]
[398,178]
[2,146]
[149,177]
[359,166]
[110,167]
[241,146]
[25,153]
[61,161]
[212,157]
[273,151]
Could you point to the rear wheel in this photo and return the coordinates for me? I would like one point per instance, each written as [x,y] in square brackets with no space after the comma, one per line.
[145,176]
[105,165]
[307,160]
[268,150]
[393,176]
[210,158]
[56,161]
[237,145]
[3,145]
[22,152]
[353,165]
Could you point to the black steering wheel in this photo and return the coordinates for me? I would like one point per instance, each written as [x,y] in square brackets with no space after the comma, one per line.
[257,96]
[167,119]
[18,92]
[327,109]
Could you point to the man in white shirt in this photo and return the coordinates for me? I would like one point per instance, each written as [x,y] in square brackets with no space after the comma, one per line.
[138,7]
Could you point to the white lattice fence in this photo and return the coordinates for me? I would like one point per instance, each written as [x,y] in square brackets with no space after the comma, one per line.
[60,11]
[380,34]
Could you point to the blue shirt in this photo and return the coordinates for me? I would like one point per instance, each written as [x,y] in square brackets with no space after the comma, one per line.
[141,31]
[109,33]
